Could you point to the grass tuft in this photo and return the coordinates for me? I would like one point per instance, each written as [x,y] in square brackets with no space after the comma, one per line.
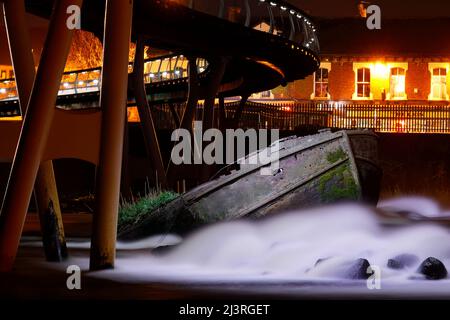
[132,212]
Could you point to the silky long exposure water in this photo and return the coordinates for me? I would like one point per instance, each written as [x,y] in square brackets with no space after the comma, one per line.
[300,252]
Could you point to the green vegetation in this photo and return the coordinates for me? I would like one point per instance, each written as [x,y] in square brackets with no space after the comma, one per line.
[130,213]
[335,156]
[338,184]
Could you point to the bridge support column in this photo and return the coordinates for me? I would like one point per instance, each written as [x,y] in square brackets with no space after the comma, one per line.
[187,118]
[175,116]
[50,216]
[217,72]
[113,99]
[222,118]
[45,188]
[125,185]
[35,129]
[145,115]
[193,95]
[238,113]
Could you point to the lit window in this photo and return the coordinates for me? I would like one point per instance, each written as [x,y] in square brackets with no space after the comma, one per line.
[397,83]
[321,84]
[439,84]
[363,83]
[266,94]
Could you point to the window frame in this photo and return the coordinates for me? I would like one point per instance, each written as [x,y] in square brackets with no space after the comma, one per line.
[323,66]
[364,83]
[389,95]
[432,67]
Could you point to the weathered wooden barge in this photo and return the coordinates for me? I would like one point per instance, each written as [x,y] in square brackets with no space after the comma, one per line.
[314,170]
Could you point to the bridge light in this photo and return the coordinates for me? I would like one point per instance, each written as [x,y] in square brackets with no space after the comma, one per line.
[273,4]
[283,8]
[292,12]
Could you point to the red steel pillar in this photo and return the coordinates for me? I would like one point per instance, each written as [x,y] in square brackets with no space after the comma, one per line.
[113,100]
[35,130]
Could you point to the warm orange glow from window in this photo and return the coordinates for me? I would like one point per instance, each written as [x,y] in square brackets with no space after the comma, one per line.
[133,114]
[381,70]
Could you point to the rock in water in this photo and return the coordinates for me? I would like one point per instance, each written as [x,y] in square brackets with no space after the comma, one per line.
[433,269]
[402,261]
[358,270]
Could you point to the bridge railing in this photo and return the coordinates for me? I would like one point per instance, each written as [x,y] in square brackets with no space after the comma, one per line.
[272,16]
[160,69]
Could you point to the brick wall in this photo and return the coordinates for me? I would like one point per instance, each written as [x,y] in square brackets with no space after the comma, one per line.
[418,77]
[341,81]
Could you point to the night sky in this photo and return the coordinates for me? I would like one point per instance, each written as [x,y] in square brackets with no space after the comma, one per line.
[390,8]
[348,8]
[318,8]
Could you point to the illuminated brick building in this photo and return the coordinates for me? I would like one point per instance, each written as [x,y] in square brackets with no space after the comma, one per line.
[407,60]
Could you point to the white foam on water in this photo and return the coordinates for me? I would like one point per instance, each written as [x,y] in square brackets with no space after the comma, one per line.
[287,247]
[420,205]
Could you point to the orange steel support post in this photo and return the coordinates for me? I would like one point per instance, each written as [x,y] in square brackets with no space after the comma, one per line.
[113,99]
[35,130]
[46,192]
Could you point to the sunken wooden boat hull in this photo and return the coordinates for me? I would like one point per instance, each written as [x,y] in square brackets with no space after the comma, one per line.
[313,170]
